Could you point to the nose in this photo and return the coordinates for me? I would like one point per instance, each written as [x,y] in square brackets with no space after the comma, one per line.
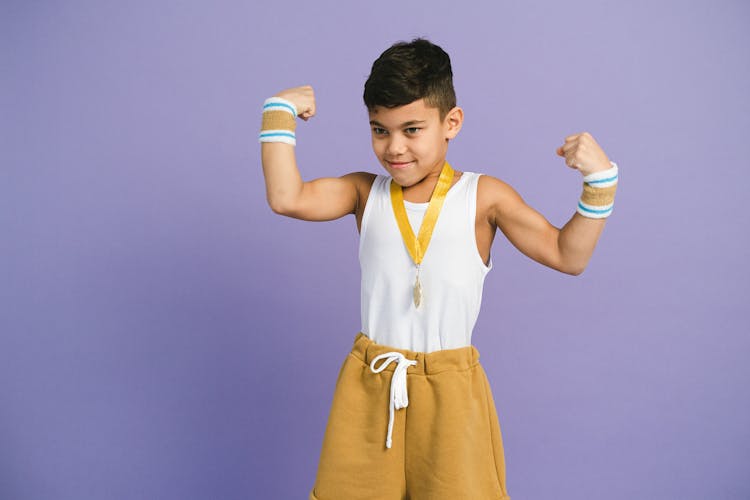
[396,146]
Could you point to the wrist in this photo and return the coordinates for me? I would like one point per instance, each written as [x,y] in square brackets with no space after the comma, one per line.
[601,178]
[279,121]
[598,197]
[278,102]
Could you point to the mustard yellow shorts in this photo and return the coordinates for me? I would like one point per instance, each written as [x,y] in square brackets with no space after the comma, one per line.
[411,425]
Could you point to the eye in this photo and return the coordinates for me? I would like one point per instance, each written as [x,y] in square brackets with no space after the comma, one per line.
[379,131]
[412,130]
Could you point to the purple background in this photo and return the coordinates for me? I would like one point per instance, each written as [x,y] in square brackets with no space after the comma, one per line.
[164,335]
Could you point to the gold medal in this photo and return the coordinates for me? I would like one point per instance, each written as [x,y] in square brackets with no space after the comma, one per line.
[417,290]
[417,246]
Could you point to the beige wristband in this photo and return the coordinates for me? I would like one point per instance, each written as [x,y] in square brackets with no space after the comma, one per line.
[279,121]
[598,195]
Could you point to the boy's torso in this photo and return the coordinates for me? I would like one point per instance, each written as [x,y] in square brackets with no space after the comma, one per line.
[485,229]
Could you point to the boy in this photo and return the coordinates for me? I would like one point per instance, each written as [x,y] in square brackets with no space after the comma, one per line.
[425,237]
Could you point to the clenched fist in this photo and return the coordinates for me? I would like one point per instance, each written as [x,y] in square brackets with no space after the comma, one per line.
[303,99]
[582,153]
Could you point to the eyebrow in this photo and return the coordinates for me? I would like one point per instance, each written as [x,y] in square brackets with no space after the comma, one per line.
[403,125]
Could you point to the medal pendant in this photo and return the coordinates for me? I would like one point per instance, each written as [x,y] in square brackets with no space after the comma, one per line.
[416,245]
[417,293]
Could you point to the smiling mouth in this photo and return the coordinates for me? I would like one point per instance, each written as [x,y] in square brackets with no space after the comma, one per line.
[399,164]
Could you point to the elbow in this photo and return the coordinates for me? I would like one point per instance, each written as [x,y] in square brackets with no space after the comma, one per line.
[571,268]
[574,270]
[577,271]
[571,264]
[282,203]
[280,206]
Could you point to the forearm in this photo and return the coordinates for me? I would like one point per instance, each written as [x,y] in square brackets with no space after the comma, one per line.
[577,239]
[284,183]
[576,242]
[283,180]
[326,198]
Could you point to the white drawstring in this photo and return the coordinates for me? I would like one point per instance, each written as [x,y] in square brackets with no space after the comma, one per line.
[399,396]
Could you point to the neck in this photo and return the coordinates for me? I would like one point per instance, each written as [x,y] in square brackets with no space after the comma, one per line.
[421,192]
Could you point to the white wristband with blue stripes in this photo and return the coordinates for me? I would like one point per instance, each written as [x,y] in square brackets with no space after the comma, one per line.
[598,197]
[279,121]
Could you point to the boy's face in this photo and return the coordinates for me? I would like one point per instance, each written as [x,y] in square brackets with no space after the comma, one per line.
[411,141]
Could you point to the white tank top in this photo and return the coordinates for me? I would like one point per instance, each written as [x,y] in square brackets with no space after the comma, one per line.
[452,272]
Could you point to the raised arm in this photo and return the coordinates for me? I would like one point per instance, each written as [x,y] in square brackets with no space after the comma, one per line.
[568,249]
[321,199]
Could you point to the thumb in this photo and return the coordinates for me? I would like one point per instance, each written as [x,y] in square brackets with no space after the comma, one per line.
[560,151]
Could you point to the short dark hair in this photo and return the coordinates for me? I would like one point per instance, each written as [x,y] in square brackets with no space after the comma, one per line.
[406,72]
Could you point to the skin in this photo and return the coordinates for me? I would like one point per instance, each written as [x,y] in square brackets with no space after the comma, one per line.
[411,143]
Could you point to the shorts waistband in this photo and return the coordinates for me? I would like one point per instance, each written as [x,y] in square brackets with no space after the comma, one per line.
[458,359]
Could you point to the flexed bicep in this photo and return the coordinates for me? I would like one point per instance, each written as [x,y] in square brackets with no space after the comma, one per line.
[526,228]
[329,198]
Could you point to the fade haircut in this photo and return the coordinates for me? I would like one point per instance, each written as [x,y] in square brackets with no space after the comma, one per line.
[406,72]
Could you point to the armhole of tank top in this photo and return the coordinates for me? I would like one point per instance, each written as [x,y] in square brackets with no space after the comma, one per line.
[472,197]
[374,191]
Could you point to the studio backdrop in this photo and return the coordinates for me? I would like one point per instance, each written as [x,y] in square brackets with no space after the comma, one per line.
[165,335]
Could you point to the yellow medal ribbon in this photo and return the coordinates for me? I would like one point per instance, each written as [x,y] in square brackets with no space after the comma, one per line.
[417,246]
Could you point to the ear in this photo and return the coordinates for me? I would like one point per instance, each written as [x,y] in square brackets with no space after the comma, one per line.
[453,121]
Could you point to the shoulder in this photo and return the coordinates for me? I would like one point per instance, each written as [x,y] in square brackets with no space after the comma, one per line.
[362,183]
[360,178]
[494,190]
[496,198]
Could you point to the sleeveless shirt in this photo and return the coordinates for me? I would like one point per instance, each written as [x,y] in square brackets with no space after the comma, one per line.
[452,272]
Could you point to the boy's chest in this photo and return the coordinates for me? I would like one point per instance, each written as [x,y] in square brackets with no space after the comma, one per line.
[455,236]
